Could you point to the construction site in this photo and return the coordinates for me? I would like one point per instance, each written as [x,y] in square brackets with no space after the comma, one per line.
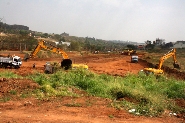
[54,109]
[88,61]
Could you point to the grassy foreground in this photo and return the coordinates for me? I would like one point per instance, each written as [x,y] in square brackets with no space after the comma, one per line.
[139,94]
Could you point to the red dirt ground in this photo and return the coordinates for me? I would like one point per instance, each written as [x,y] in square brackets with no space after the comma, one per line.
[59,110]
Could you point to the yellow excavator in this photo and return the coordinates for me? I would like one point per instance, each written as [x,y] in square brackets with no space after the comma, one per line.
[66,63]
[159,71]
[129,52]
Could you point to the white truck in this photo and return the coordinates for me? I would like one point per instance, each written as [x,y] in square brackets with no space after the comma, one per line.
[12,62]
[134,59]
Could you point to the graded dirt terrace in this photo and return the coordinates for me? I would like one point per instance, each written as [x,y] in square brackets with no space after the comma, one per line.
[99,63]
[58,110]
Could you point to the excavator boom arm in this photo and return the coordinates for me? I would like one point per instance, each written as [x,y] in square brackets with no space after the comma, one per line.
[66,63]
[166,56]
[36,50]
[50,48]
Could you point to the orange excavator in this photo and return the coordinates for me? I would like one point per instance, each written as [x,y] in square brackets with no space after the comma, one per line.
[159,71]
[66,63]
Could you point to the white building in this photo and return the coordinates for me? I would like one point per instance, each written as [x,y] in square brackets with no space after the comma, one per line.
[67,43]
[179,44]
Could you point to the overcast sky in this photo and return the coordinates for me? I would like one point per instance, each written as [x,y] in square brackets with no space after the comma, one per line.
[132,20]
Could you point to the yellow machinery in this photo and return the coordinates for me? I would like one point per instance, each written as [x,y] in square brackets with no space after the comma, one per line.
[51,48]
[159,71]
[66,63]
[129,52]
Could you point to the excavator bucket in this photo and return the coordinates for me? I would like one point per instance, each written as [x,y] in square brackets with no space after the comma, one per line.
[66,64]
[176,65]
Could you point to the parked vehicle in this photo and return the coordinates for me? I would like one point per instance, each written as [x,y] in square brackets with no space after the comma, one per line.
[12,62]
[134,59]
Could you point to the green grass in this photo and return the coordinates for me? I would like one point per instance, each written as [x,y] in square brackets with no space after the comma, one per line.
[8,74]
[145,94]
[148,95]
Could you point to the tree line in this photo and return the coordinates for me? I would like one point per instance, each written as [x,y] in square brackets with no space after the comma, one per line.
[19,37]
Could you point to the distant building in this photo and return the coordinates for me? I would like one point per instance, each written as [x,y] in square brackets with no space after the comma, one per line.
[141,47]
[37,36]
[179,44]
[67,43]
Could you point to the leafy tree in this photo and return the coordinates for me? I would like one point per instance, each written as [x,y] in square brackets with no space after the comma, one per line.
[150,46]
[63,39]
[57,37]
[133,47]
[87,45]
[23,32]
[167,45]
[45,35]
[75,46]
